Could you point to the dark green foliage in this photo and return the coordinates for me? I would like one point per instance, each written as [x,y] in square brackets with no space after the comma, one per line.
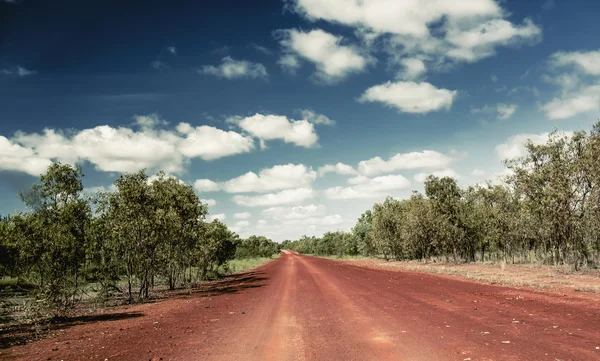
[547,211]
[145,230]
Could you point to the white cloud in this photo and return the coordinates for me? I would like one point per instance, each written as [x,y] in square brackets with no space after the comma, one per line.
[506,111]
[582,100]
[235,69]
[410,97]
[209,202]
[479,41]
[372,188]
[331,220]
[339,168]
[206,185]
[268,127]
[586,62]
[580,89]
[14,157]
[334,61]
[172,50]
[211,143]
[440,174]
[241,224]
[109,149]
[123,149]
[413,69]
[297,212]
[288,196]
[514,146]
[242,215]
[494,78]
[437,31]
[316,118]
[477,173]
[413,160]
[398,17]
[269,179]
[220,216]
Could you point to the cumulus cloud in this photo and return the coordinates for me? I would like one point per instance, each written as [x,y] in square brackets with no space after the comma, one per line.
[587,62]
[412,160]
[14,157]
[514,146]
[410,97]
[211,143]
[339,168]
[582,100]
[413,68]
[333,60]
[209,202]
[235,69]
[242,215]
[440,174]
[269,179]
[579,85]
[206,185]
[432,30]
[270,127]
[288,196]
[315,118]
[124,149]
[369,188]
[297,212]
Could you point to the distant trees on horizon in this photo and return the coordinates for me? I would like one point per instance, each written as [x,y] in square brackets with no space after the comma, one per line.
[548,211]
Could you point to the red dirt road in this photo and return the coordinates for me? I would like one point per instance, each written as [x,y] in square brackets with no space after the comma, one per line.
[306,308]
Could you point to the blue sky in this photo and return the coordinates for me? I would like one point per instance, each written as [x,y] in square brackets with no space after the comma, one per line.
[291,117]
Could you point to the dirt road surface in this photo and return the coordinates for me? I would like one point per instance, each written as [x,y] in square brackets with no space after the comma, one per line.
[306,308]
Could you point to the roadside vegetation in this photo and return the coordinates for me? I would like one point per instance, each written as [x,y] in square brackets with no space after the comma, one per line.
[545,212]
[120,245]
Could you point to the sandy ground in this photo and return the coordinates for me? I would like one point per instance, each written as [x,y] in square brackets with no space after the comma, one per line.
[307,308]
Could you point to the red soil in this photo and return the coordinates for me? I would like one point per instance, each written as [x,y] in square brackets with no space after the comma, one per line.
[306,308]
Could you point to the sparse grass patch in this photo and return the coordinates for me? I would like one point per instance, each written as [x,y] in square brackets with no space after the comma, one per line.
[545,277]
[238,265]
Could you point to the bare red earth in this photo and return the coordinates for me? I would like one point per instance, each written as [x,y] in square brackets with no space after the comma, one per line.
[306,308]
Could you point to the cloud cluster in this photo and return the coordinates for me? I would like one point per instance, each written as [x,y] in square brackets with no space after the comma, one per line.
[427,159]
[578,76]
[121,149]
[269,127]
[434,31]
[333,60]
[410,97]
[149,144]
[377,187]
[288,196]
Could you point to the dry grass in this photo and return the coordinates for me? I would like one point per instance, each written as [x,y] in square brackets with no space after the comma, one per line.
[533,276]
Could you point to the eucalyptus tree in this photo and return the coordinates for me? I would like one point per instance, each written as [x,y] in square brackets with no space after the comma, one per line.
[51,238]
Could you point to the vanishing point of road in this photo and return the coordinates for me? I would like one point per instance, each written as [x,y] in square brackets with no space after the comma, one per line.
[307,308]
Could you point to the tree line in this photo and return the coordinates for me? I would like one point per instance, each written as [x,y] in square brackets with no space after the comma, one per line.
[546,210]
[120,241]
